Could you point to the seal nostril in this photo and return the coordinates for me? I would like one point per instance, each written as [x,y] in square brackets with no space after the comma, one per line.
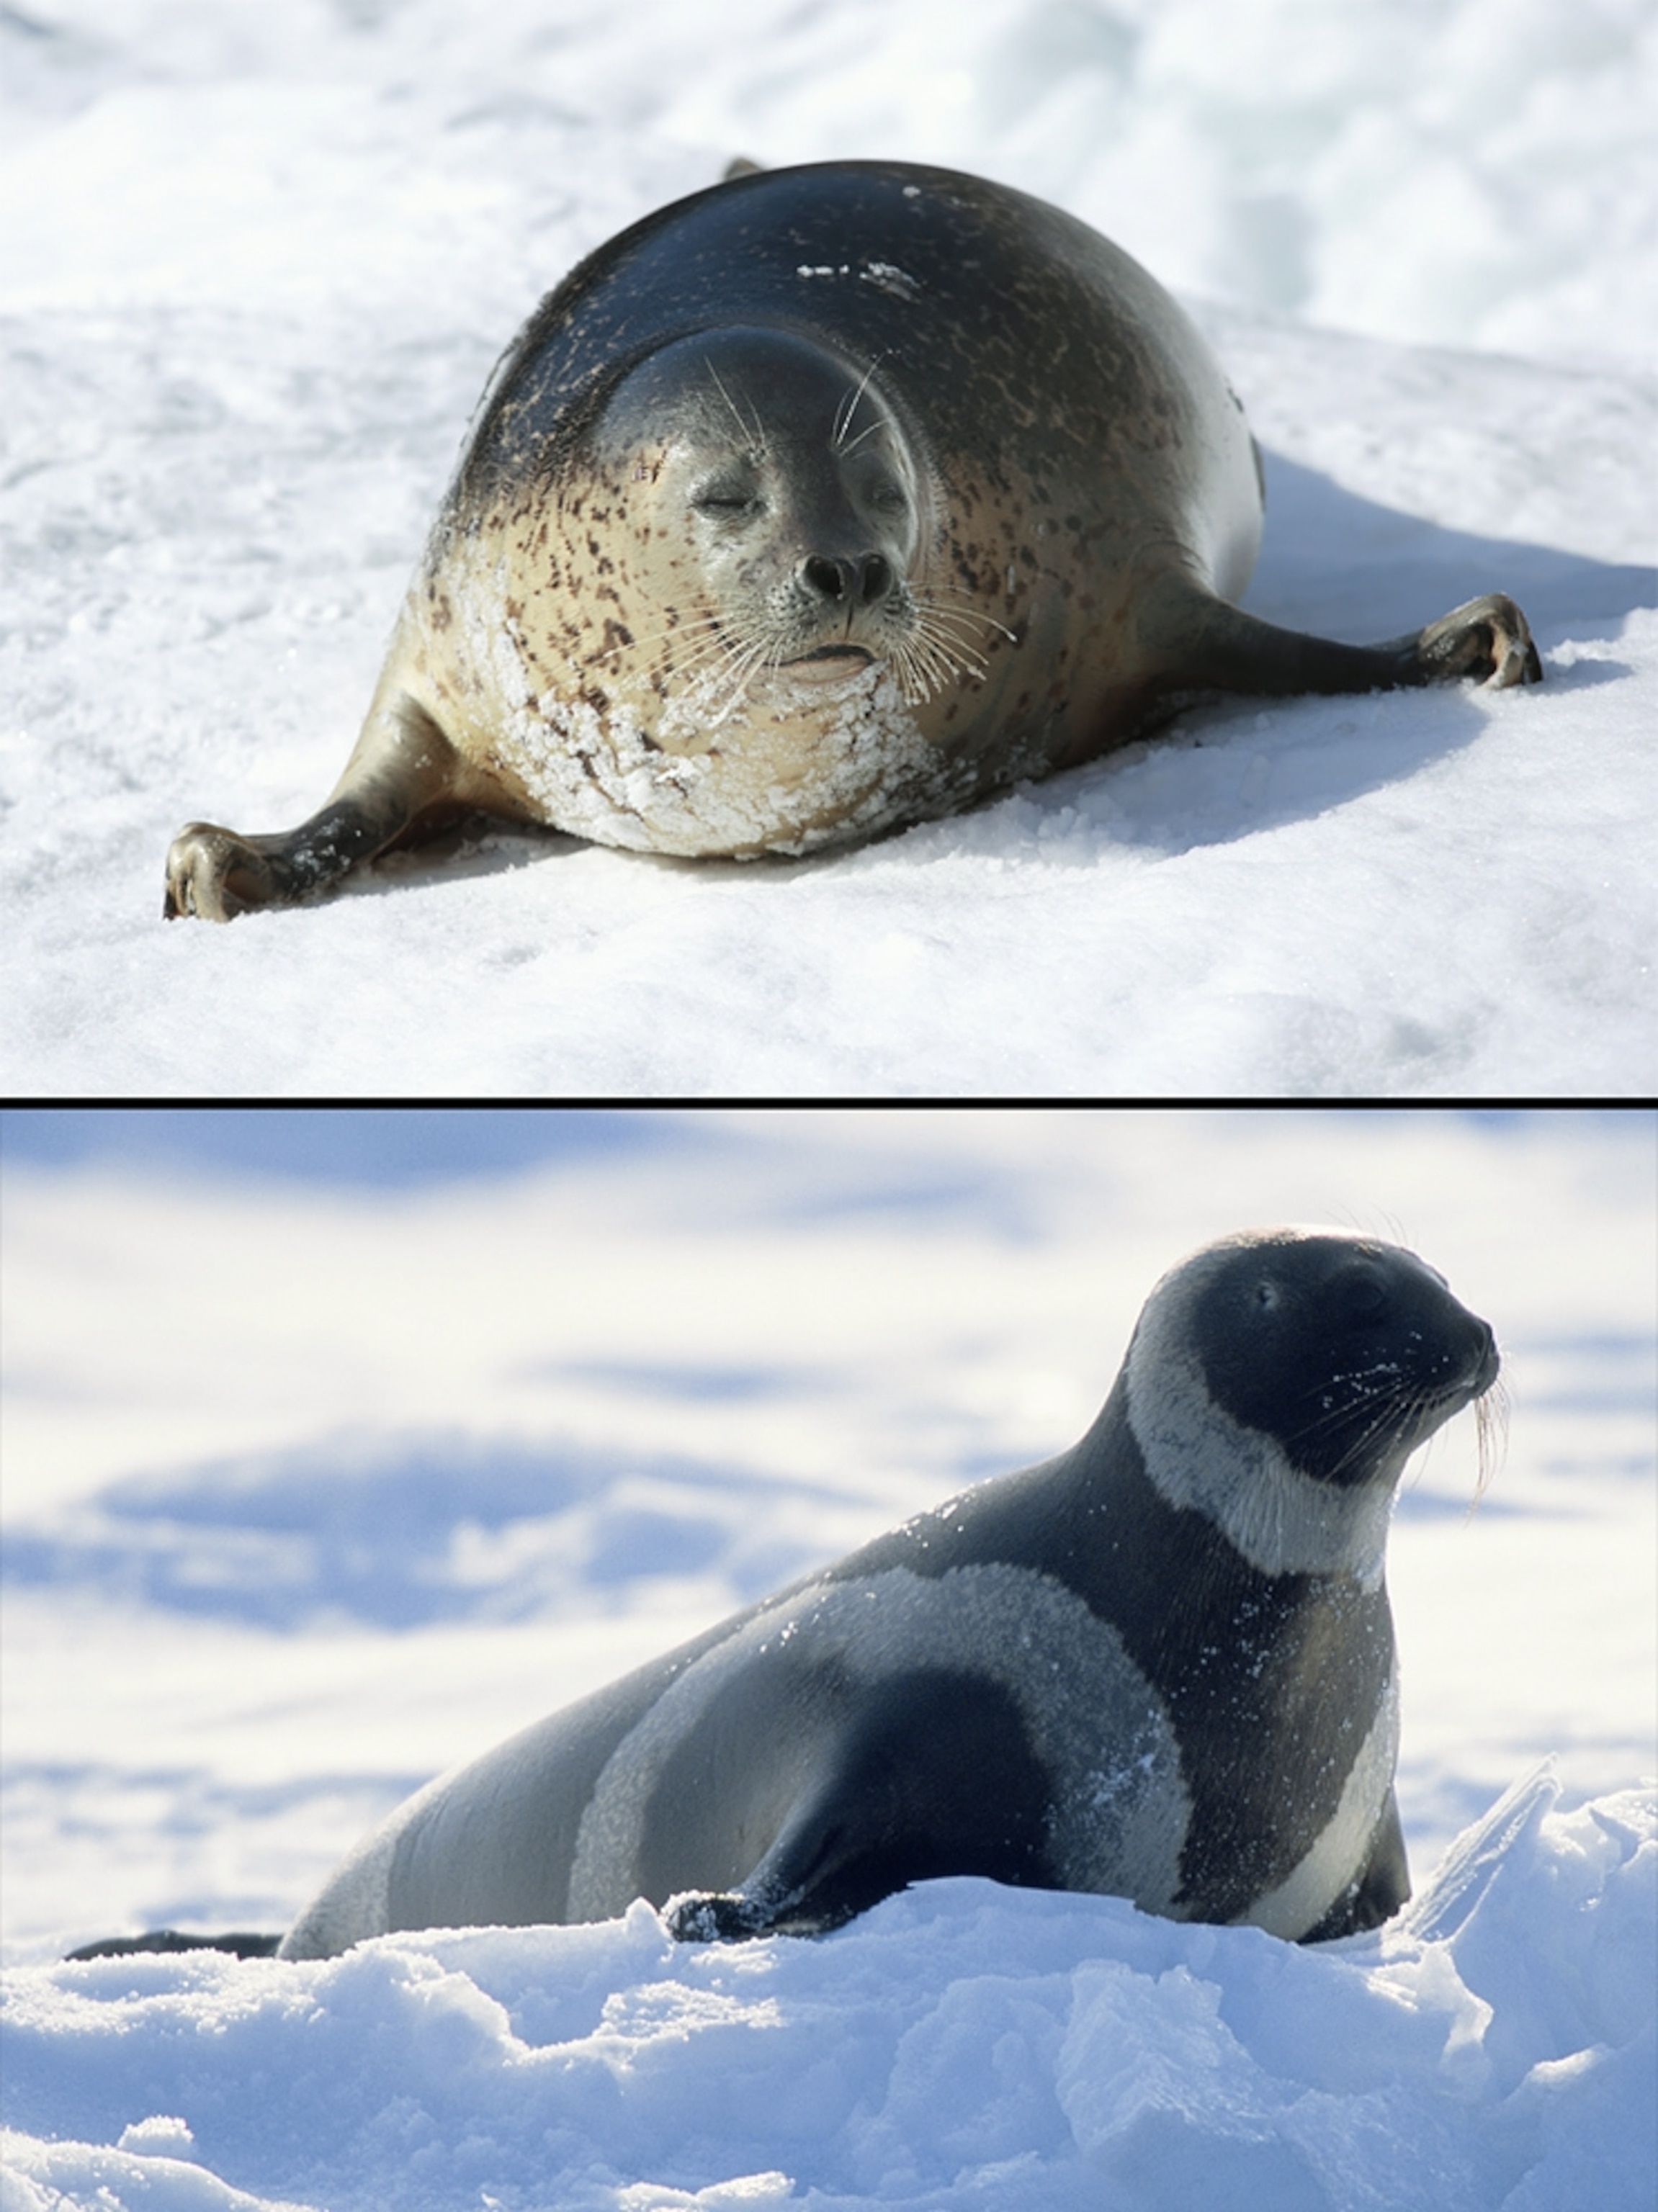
[829,580]
[863,582]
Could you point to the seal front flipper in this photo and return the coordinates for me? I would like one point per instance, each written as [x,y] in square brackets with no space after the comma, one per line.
[216,873]
[1379,1888]
[932,1773]
[703,1916]
[404,771]
[1487,638]
[1205,643]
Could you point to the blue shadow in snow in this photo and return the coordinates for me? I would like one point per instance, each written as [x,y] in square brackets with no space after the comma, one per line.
[395,1534]
[1324,548]
[384,1147]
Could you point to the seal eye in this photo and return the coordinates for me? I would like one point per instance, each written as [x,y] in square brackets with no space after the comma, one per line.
[727,502]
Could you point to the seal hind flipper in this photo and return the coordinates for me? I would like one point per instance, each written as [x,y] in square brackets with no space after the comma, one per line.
[241,1944]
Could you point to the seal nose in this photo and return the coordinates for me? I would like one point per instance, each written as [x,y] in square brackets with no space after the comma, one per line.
[860,583]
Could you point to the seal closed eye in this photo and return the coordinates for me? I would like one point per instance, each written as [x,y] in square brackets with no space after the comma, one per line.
[828,500]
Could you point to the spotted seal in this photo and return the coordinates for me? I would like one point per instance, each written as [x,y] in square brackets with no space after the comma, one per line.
[827,500]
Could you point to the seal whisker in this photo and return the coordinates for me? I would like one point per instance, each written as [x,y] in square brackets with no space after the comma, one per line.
[644,640]
[915,685]
[962,614]
[941,651]
[717,642]
[972,592]
[1491,1434]
[753,431]
[1392,1413]
[926,663]
[850,445]
[934,667]
[706,653]
[948,656]
[849,410]
[952,650]
[747,661]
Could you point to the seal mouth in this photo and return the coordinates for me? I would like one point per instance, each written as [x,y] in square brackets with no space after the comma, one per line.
[820,655]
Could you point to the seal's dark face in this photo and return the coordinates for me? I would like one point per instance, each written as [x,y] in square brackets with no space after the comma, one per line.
[777,477]
[1345,1352]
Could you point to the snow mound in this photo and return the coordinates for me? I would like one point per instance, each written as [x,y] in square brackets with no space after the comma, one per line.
[962,2045]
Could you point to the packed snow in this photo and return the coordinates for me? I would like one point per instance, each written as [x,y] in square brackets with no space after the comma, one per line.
[255,265]
[340,1445]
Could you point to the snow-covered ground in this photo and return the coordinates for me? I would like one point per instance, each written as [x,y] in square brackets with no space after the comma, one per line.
[255,264]
[338,1445]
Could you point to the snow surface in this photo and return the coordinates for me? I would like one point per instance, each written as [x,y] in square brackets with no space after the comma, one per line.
[338,1445]
[255,264]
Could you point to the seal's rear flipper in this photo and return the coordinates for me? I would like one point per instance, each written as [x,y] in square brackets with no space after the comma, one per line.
[242,1945]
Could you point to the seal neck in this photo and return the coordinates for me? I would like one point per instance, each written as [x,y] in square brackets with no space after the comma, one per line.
[1200,1460]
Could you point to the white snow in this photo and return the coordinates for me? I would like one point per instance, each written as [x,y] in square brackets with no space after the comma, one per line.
[337,1447]
[255,264]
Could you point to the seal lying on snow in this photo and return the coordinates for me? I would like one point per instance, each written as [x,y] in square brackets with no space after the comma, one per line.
[1159,1665]
[827,500]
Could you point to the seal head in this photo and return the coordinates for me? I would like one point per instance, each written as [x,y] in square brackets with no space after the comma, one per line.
[732,452]
[1278,1384]
[722,638]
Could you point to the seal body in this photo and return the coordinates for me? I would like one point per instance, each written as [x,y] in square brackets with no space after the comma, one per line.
[823,501]
[1161,1665]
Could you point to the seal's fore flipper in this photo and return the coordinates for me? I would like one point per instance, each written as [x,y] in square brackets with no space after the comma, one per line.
[1215,646]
